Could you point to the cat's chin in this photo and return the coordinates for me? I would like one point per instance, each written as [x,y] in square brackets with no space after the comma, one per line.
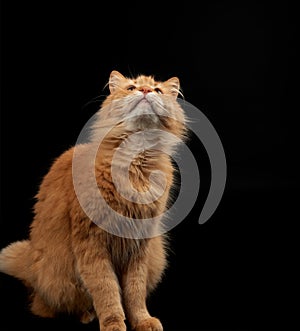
[143,122]
[143,116]
[143,107]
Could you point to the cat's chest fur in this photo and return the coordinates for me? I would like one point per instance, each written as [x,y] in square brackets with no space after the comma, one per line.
[124,251]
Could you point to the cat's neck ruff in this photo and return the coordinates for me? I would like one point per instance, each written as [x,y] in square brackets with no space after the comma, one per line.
[144,147]
[140,135]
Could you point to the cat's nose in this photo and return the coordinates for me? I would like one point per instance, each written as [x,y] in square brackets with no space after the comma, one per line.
[145,89]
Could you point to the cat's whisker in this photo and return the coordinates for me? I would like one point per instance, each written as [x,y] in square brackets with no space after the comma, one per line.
[180,93]
[98,98]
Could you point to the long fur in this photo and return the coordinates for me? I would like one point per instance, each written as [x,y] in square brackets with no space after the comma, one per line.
[71,264]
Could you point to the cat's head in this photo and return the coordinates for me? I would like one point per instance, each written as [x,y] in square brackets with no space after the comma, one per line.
[142,103]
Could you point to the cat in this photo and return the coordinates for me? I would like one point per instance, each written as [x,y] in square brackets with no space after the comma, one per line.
[73,262]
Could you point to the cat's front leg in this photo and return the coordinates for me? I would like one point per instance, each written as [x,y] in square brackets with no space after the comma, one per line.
[99,278]
[134,285]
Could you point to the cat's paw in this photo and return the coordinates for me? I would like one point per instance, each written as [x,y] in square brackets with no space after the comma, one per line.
[149,324]
[114,328]
[87,317]
[112,323]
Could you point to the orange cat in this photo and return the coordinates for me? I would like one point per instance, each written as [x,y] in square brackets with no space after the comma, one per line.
[72,262]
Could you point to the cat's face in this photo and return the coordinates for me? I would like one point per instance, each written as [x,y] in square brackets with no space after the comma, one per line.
[143,103]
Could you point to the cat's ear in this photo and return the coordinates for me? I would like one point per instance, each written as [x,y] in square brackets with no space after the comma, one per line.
[115,79]
[174,86]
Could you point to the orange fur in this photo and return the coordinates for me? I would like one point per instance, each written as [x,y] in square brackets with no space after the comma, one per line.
[71,264]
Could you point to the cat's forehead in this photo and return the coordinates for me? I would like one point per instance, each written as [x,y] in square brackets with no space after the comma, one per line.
[144,80]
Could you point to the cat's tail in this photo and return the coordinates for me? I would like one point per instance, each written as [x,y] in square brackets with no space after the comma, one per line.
[14,259]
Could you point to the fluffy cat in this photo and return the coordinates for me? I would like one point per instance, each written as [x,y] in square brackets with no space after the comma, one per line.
[71,262]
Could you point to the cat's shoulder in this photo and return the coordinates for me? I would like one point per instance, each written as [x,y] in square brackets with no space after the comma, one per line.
[62,165]
[66,158]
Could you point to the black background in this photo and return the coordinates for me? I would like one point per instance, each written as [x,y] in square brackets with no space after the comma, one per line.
[236,62]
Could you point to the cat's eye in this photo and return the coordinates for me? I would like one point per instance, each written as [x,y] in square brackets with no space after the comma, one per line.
[131,88]
[158,90]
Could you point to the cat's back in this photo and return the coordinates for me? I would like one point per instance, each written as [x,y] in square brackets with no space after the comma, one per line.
[56,182]
[54,198]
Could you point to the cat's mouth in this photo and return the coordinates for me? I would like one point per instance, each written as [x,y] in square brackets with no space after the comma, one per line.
[143,115]
[143,102]
[143,106]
